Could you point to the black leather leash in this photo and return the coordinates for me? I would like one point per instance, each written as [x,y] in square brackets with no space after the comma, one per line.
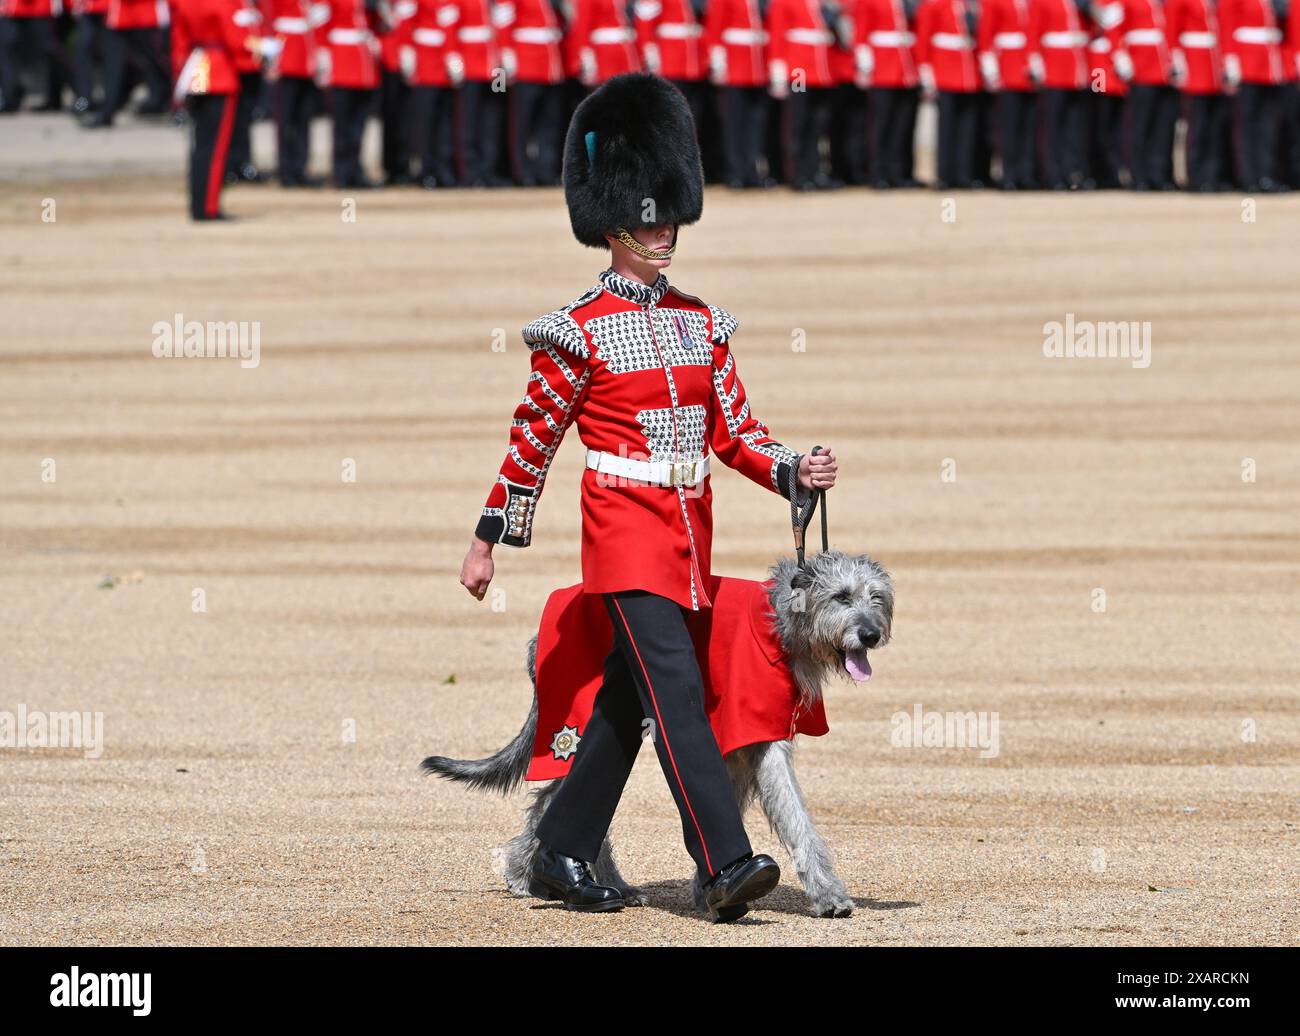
[801,517]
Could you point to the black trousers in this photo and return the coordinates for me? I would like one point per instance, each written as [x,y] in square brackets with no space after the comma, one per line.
[1259,107]
[35,40]
[92,42]
[1289,135]
[479,137]
[807,121]
[349,109]
[893,124]
[241,140]
[1105,138]
[432,118]
[293,108]
[1065,123]
[959,126]
[394,115]
[650,675]
[213,117]
[1017,137]
[743,114]
[849,134]
[1209,141]
[536,129]
[1153,113]
[142,48]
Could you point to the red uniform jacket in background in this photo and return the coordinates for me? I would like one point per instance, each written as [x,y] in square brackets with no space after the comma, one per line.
[533,33]
[1193,28]
[1141,32]
[944,42]
[736,42]
[799,43]
[295,23]
[206,36]
[749,693]
[669,30]
[882,26]
[137,14]
[351,46]
[601,30]
[1250,33]
[471,38]
[1057,35]
[645,372]
[1003,33]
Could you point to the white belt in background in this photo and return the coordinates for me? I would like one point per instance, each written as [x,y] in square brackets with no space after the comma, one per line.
[612,34]
[537,35]
[658,472]
[744,37]
[1198,40]
[1144,38]
[1058,40]
[1257,34]
[952,41]
[891,39]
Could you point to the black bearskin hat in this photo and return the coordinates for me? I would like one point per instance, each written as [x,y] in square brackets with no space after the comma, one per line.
[630,141]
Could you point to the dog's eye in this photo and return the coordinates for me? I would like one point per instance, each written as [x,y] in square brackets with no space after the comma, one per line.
[844,597]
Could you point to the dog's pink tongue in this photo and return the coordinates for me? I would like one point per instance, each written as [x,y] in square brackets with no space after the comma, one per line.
[858,667]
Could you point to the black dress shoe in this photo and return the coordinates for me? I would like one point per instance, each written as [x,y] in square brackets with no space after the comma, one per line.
[556,876]
[729,892]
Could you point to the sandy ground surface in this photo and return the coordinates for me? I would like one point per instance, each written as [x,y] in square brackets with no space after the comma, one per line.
[258,781]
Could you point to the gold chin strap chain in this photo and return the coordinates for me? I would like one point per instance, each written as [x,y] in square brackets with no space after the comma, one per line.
[645,252]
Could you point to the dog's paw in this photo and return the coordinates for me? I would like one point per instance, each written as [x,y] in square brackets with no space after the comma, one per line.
[833,903]
[633,896]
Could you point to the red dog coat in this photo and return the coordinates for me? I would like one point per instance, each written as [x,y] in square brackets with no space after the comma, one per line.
[749,692]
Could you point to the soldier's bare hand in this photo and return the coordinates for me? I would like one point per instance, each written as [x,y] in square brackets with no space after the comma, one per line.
[476,571]
[818,472]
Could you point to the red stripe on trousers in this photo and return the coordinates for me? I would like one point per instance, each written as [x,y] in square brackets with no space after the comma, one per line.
[217,169]
[664,734]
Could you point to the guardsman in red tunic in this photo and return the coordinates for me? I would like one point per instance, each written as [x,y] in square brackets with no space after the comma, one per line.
[735,45]
[1108,94]
[671,40]
[1003,42]
[884,49]
[474,57]
[531,34]
[1058,42]
[294,25]
[945,56]
[206,35]
[799,67]
[848,123]
[1193,30]
[352,75]
[1253,64]
[136,30]
[428,66]
[648,377]
[27,30]
[600,42]
[1142,58]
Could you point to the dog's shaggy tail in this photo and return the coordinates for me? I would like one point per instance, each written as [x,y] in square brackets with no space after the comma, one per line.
[500,772]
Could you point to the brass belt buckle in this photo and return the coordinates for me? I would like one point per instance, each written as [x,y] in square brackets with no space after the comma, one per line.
[683,473]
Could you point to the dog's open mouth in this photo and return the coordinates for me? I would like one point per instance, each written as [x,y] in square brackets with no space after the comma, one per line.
[856,664]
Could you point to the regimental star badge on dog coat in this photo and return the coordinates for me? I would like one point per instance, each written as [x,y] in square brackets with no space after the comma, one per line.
[565,742]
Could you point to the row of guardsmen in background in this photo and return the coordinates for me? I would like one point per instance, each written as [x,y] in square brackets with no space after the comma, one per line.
[1063,93]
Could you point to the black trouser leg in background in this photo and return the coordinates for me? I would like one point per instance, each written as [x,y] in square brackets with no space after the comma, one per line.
[293,127]
[350,108]
[958,137]
[651,673]
[394,103]
[91,32]
[1257,116]
[480,132]
[1016,137]
[241,140]
[1207,120]
[432,111]
[744,120]
[1063,117]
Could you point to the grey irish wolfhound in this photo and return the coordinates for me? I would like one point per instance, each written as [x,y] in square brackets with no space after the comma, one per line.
[827,615]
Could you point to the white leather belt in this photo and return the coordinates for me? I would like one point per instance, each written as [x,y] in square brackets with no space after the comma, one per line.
[404,9]
[1144,37]
[245,17]
[1257,34]
[1100,45]
[664,473]
[347,37]
[809,37]
[952,41]
[891,39]
[1010,40]
[1061,40]
[290,26]
[538,35]
[678,31]
[744,37]
[612,34]
[1198,40]
[429,37]
[475,34]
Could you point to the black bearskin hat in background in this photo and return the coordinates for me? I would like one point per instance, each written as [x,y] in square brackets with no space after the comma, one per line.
[630,140]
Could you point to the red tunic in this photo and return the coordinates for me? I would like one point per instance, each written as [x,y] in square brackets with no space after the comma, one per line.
[645,372]
[750,695]
[295,23]
[1003,38]
[736,42]
[882,26]
[799,43]
[1193,27]
[351,46]
[137,14]
[429,41]
[1057,35]
[600,42]
[205,37]
[945,44]
[530,30]
[1141,33]
[1250,34]
[670,34]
